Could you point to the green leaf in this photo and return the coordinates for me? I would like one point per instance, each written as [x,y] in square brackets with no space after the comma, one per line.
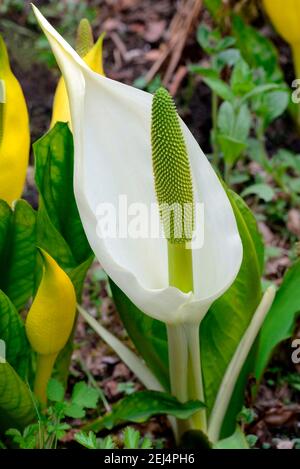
[211,41]
[226,118]
[235,441]
[211,78]
[148,335]
[228,318]
[273,104]
[243,123]
[85,396]
[54,179]
[16,405]
[74,411]
[280,321]
[231,148]
[55,391]
[263,191]
[88,440]
[241,79]
[12,331]
[142,405]
[131,438]
[18,252]
[257,50]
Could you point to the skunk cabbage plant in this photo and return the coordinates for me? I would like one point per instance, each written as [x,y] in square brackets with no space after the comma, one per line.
[132,150]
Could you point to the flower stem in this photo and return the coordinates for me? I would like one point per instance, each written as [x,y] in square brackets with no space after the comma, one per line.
[180,267]
[44,369]
[195,384]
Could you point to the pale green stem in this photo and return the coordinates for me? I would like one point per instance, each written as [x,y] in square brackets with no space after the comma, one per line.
[134,363]
[178,366]
[44,369]
[196,389]
[183,342]
[234,368]
[180,267]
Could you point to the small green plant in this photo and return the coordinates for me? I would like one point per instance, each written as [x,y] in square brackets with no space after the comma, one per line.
[249,101]
[131,440]
[51,425]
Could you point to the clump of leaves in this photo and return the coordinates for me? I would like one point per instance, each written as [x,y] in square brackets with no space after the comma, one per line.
[131,440]
[52,426]
[249,100]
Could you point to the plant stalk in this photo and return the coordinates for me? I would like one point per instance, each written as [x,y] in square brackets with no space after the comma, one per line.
[44,369]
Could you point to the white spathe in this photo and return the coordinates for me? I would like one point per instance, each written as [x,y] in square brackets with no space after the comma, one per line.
[111,125]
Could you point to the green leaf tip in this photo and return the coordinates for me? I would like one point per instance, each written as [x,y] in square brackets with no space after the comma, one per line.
[84,39]
[171,168]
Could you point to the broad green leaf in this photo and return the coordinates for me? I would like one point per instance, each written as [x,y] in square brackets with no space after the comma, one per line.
[148,335]
[54,178]
[85,396]
[263,191]
[5,225]
[228,318]
[12,331]
[235,441]
[21,268]
[280,321]
[17,252]
[257,50]
[16,405]
[140,406]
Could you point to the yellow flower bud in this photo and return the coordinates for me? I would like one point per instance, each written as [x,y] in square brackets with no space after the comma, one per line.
[50,320]
[285,16]
[14,132]
[61,110]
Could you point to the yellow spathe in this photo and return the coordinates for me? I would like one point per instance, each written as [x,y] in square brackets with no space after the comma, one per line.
[15,135]
[50,319]
[285,16]
[61,110]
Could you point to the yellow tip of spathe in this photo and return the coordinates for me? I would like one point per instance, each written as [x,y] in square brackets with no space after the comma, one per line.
[51,317]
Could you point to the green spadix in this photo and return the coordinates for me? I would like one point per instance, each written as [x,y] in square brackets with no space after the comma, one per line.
[174,188]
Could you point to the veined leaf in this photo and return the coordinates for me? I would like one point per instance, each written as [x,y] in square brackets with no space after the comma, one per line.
[54,178]
[16,405]
[12,331]
[280,321]
[228,318]
[140,406]
[22,259]
[235,441]
[17,251]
